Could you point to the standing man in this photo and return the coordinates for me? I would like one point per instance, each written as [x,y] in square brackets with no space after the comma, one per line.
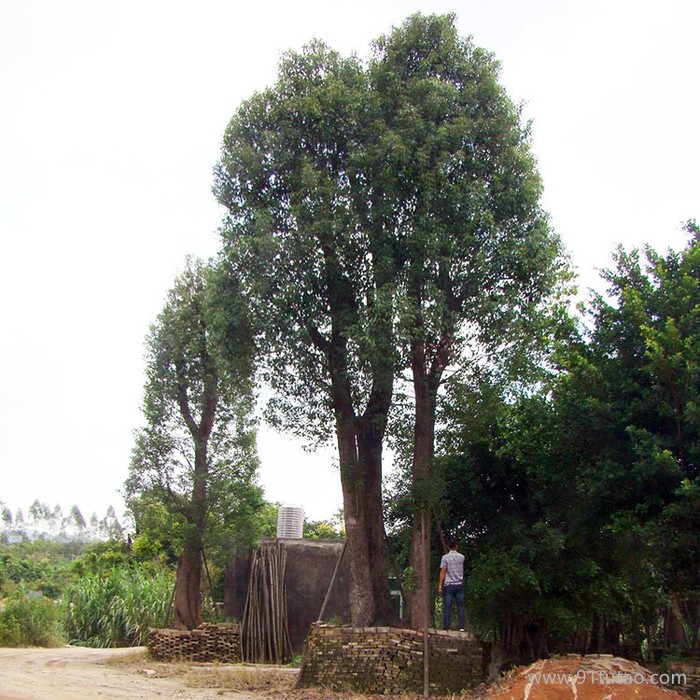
[451,584]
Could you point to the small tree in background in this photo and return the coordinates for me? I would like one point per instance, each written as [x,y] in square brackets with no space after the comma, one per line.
[196,455]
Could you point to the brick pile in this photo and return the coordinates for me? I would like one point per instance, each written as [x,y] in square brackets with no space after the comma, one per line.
[691,671]
[208,642]
[387,660]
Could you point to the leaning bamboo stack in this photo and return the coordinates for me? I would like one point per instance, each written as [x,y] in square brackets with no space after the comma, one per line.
[265,633]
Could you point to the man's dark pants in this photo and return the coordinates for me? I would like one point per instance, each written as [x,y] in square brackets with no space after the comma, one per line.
[452,592]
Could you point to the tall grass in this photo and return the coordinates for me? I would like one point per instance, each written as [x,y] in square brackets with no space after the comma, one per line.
[117,608]
[30,622]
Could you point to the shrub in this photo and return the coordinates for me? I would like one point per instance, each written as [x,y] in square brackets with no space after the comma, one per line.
[117,608]
[30,621]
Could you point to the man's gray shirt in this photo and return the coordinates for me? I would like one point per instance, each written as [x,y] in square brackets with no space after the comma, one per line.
[453,561]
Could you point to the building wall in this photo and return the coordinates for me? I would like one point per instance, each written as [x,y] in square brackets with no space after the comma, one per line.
[309,568]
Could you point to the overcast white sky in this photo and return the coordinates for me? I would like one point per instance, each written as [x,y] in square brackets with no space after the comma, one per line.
[111,115]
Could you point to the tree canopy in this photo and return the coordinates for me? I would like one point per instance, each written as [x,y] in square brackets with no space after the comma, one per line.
[381,216]
[477,258]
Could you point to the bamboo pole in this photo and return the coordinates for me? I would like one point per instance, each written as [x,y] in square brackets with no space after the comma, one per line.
[265,627]
[445,548]
[211,587]
[426,618]
[332,582]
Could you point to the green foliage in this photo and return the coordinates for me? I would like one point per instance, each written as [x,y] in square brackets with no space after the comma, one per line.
[145,548]
[100,557]
[266,519]
[197,398]
[317,272]
[322,530]
[577,500]
[40,565]
[102,596]
[30,620]
[116,608]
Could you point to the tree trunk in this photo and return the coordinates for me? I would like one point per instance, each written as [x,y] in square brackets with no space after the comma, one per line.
[369,444]
[188,602]
[423,449]
[362,607]
[360,456]
[361,480]
[675,630]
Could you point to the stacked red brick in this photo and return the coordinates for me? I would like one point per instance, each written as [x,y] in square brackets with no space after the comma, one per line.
[690,670]
[387,660]
[208,642]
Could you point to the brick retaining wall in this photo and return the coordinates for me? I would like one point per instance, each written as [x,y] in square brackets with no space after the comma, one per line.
[208,642]
[389,660]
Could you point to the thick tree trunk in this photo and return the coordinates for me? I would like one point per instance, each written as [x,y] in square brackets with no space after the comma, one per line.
[360,440]
[188,602]
[362,607]
[360,456]
[423,449]
[361,480]
[370,457]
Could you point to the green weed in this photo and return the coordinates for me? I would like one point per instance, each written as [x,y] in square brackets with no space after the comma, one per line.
[31,621]
[117,608]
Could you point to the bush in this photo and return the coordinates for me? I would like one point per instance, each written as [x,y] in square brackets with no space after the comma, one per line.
[30,621]
[117,608]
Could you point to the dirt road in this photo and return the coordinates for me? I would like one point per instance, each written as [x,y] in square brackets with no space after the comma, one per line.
[73,673]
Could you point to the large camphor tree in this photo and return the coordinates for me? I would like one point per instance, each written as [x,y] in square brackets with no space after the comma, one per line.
[382,217]
[478,260]
[310,235]
[195,458]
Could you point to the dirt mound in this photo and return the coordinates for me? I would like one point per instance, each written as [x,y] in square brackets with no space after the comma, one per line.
[596,677]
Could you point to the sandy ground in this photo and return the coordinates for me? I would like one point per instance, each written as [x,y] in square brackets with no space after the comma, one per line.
[74,673]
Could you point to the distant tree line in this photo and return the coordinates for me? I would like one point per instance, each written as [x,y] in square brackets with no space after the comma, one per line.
[42,521]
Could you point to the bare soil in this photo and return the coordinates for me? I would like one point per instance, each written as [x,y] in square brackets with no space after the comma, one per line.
[69,673]
[119,674]
[77,673]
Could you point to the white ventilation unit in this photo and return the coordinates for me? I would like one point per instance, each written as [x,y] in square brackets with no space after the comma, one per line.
[290,522]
